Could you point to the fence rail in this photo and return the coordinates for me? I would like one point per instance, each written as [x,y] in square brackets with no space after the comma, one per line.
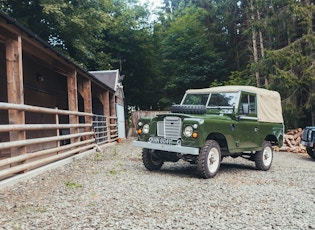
[47,143]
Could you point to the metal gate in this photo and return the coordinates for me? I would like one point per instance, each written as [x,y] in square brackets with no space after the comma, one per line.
[100,129]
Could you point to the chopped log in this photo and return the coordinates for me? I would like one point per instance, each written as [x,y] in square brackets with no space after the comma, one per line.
[292,141]
[135,115]
[276,148]
[290,132]
[298,133]
[288,142]
[298,140]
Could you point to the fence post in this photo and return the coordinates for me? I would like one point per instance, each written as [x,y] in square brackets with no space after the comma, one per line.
[57,130]
[73,102]
[15,90]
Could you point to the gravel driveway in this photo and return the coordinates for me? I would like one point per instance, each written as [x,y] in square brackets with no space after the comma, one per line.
[112,190]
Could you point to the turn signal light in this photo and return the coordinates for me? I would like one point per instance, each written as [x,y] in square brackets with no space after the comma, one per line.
[139,131]
[195,135]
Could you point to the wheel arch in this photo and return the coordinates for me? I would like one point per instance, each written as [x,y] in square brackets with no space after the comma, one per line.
[220,138]
[274,140]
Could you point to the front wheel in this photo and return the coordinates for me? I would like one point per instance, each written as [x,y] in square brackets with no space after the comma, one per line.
[150,160]
[263,158]
[209,159]
[311,152]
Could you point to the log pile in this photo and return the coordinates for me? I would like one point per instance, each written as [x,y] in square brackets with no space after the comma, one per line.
[135,115]
[292,141]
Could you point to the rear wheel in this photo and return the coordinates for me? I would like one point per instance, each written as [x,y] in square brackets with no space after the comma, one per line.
[209,159]
[311,152]
[150,160]
[263,158]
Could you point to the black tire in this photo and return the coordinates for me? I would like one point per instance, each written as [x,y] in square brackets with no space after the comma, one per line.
[189,109]
[263,158]
[209,159]
[311,152]
[150,160]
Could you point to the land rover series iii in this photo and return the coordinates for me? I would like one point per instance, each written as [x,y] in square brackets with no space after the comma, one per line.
[212,123]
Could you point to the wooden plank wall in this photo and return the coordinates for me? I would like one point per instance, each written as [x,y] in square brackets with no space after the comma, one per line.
[33,74]
[45,88]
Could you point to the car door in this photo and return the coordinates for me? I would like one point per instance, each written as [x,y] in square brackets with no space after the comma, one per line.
[247,126]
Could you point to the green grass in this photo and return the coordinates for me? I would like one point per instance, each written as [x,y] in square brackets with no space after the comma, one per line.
[113,172]
[73,185]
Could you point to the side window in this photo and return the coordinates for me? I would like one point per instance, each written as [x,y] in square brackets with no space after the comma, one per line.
[248,105]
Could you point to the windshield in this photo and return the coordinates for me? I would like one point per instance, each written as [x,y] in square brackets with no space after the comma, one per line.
[222,103]
[223,100]
[195,99]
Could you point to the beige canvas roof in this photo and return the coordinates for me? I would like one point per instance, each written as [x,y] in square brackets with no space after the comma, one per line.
[268,102]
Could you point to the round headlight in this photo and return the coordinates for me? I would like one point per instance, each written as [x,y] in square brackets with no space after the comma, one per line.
[188,131]
[146,128]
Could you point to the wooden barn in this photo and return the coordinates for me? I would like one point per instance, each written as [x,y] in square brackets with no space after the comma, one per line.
[50,107]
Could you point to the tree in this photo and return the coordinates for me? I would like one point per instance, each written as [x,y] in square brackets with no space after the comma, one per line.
[97,34]
[193,44]
[189,59]
[29,13]
[291,72]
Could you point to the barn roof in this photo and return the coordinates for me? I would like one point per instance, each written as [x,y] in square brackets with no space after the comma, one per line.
[108,77]
[112,79]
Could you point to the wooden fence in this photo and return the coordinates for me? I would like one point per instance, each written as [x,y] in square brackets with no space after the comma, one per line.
[103,132]
[48,142]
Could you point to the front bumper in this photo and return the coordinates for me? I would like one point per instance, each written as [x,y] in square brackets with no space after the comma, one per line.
[168,148]
[307,144]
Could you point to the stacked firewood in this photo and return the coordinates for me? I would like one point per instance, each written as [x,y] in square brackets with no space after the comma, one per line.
[292,141]
[135,115]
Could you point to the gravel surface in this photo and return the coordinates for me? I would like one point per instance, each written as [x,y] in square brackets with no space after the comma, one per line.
[111,189]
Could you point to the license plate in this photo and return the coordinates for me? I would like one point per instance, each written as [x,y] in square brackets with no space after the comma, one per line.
[160,140]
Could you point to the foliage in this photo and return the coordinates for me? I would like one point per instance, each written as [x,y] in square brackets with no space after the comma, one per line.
[240,78]
[292,74]
[189,58]
[192,44]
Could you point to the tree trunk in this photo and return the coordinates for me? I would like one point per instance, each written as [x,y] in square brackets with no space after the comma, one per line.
[262,49]
[254,41]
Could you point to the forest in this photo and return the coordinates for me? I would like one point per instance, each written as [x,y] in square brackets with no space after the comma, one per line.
[186,44]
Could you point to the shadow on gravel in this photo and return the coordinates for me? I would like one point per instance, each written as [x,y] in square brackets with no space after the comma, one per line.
[231,166]
[306,158]
[190,170]
[180,170]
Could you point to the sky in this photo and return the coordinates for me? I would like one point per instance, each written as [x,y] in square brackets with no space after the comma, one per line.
[152,3]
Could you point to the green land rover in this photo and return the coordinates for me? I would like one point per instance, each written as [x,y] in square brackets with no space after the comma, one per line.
[213,123]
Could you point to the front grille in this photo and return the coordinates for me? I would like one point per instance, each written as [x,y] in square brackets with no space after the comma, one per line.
[170,127]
